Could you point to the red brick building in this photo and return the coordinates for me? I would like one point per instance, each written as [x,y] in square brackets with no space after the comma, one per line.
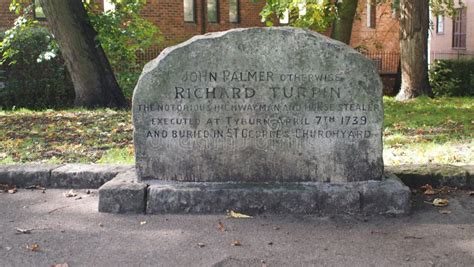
[375,30]
[201,16]
[6,17]
[375,27]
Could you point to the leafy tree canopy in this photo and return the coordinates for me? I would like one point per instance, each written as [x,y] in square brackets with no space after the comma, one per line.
[122,32]
[316,15]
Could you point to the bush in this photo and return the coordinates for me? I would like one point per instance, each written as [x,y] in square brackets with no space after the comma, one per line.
[124,34]
[452,77]
[35,74]
[127,81]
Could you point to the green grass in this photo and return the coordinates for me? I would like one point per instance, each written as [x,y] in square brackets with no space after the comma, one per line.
[428,130]
[419,131]
[65,136]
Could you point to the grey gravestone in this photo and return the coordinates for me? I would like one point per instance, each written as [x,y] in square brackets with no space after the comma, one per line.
[259,105]
[258,120]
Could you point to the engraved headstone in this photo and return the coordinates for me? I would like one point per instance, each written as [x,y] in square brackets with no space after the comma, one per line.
[259,105]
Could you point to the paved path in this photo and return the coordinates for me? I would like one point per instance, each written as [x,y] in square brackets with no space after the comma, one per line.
[72,231]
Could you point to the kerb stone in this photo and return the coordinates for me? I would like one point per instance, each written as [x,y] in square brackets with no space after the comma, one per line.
[417,175]
[123,194]
[85,175]
[23,175]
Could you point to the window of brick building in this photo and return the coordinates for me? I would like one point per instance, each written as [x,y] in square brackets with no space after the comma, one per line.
[459,29]
[213,11]
[285,19]
[371,13]
[189,11]
[440,24]
[38,11]
[234,11]
[108,5]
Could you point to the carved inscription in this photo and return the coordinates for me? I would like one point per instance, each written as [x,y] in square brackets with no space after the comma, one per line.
[269,104]
[265,120]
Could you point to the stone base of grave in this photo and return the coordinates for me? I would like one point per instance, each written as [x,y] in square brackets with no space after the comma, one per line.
[124,195]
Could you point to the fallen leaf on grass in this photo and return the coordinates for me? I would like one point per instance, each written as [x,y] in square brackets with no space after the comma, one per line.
[221,226]
[420,131]
[440,202]
[23,231]
[71,193]
[236,215]
[444,211]
[236,243]
[201,245]
[33,247]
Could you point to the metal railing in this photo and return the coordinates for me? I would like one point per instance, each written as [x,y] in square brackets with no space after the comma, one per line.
[386,62]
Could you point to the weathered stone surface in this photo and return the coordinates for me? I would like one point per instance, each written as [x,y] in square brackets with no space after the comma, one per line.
[123,194]
[23,175]
[85,175]
[390,196]
[367,197]
[259,105]
[470,176]
[433,174]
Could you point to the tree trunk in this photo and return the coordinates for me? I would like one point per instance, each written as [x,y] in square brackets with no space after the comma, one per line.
[342,28]
[414,23]
[91,74]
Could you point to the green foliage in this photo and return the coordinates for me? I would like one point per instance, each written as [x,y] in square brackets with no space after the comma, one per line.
[445,7]
[33,71]
[452,77]
[318,16]
[124,34]
[127,79]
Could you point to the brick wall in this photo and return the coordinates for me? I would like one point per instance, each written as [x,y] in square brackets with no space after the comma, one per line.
[6,17]
[168,15]
[385,35]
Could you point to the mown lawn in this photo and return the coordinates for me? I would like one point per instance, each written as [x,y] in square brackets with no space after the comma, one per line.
[420,131]
[429,131]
